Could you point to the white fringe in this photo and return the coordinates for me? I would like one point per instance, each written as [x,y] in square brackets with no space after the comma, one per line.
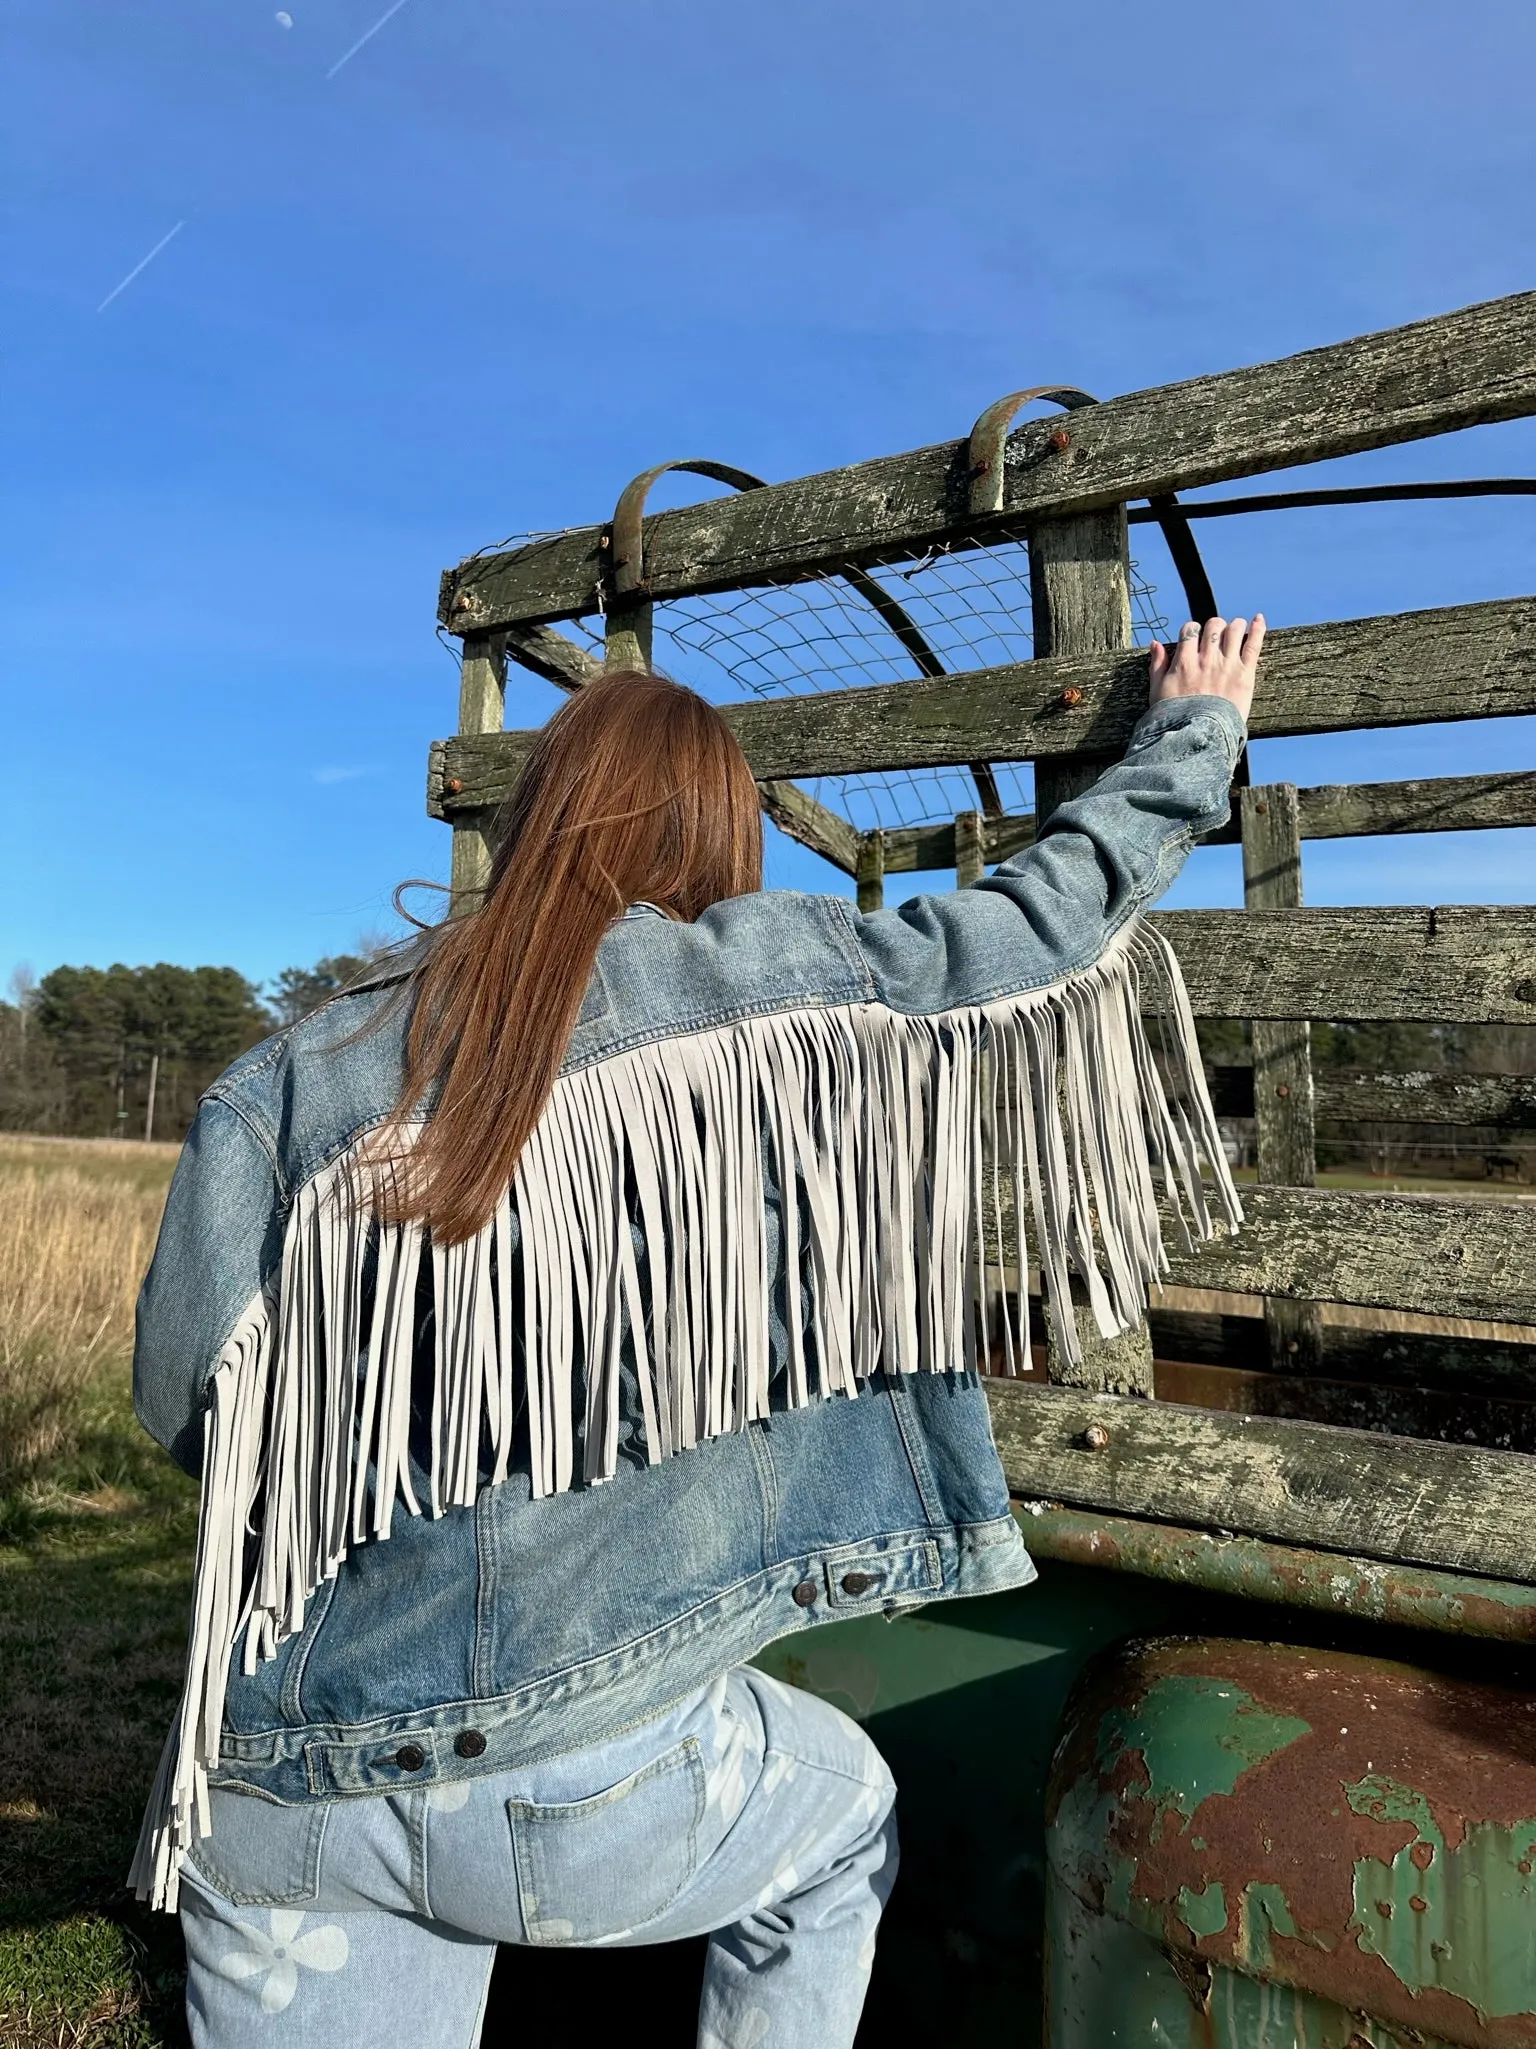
[901,1144]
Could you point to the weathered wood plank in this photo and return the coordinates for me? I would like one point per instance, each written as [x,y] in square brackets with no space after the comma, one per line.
[1390,1358]
[1438,1255]
[909,848]
[825,832]
[1400,385]
[553,656]
[870,870]
[1451,803]
[1498,1101]
[1282,1054]
[1080,604]
[1350,1095]
[482,708]
[1312,1483]
[1459,963]
[1410,668]
[1449,1415]
[970,855]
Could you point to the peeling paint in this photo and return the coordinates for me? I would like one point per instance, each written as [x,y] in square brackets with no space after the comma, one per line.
[1360,1832]
[1263,1913]
[1196,1736]
[1204,1913]
[1462,1919]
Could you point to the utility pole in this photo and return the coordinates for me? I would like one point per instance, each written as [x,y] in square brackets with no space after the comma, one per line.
[149,1114]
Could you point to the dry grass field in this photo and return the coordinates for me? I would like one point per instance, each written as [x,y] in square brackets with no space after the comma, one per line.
[96,1528]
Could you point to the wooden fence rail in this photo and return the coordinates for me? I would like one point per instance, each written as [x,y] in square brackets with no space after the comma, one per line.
[1457,662]
[1310,1483]
[1451,803]
[1435,376]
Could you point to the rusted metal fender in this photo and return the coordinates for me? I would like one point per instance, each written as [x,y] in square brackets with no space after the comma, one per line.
[1358,1830]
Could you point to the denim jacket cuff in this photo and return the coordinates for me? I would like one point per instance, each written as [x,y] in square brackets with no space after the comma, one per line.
[1218,715]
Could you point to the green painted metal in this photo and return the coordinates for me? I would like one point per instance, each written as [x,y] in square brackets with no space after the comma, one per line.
[1112,1986]
[1410,1596]
[1195,1736]
[965,1703]
[1259,1846]
[1462,1917]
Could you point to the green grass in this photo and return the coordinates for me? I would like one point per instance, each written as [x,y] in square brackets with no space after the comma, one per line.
[95,1580]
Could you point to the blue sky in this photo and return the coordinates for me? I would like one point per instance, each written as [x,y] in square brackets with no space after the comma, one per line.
[507,255]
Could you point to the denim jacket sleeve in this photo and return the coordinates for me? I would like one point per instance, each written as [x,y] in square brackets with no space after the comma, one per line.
[1053,908]
[220,1237]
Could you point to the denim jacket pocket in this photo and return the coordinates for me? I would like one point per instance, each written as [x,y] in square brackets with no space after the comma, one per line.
[589,1870]
[262,1852]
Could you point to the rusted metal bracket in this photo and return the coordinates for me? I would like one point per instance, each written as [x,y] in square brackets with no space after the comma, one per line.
[624,543]
[989,439]
[987,449]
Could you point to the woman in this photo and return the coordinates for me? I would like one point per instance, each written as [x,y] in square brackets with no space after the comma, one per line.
[556,1256]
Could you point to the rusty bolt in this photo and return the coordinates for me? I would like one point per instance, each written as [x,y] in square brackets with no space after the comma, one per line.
[463,602]
[1061,439]
[1071,696]
[453,786]
[1096,1437]
[1262,806]
[1282,1088]
[1291,1345]
[1419,1904]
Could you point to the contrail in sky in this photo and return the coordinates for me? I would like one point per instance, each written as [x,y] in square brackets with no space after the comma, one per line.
[347,55]
[145,262]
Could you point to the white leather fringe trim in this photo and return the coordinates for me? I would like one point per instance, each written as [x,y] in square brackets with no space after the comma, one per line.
[926,1155]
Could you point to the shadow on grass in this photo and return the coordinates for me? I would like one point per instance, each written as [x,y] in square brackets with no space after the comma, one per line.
[95,1576]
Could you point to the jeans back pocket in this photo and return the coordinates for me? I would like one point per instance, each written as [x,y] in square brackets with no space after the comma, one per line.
[262,1852]
[591,1870]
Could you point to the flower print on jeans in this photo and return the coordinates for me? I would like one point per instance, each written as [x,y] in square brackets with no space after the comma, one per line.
[279,1957]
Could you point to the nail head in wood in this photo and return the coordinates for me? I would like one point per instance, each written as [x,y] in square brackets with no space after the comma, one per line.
[1061,439]
[1096,1437]
[1071,696]
[453,786]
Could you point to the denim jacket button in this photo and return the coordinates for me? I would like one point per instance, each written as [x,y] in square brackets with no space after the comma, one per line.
[469,1743]
[857,1582]
[410,1757]
[804,1595]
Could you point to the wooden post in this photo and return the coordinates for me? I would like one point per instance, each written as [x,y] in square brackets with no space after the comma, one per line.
[970,865]
[482,709]
[154,1082]
[627,635]
[1283,1103]
[1080,592]
[1080,597]
[870,873]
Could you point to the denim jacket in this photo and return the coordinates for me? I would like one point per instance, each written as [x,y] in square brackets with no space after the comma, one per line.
[658,1414]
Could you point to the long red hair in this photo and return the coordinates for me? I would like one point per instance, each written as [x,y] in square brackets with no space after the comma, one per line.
[636,792]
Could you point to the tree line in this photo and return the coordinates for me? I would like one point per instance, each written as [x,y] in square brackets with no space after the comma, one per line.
[124,1052]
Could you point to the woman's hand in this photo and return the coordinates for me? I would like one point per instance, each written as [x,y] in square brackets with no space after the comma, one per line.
[1219,659]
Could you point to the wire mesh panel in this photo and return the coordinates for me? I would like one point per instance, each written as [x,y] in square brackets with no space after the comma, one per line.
[969,608]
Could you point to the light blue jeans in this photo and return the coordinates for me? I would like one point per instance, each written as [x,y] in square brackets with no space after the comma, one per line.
[753,1813]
